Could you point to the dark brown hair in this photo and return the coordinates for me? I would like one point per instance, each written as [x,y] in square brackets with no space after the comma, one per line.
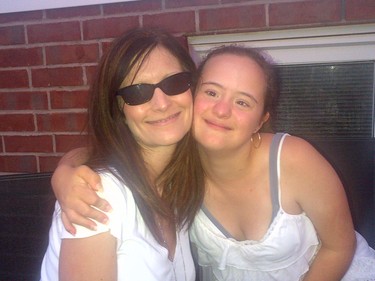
[114,146]
[268,68]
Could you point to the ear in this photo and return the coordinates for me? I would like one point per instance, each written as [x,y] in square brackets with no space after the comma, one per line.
[264,119]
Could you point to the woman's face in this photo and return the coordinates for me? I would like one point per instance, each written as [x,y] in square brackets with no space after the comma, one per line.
[164,120]
[229,103]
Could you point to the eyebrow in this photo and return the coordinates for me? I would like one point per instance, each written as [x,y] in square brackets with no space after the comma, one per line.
[240,92]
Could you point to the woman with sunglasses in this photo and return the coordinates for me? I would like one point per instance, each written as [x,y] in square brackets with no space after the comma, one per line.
[140,115]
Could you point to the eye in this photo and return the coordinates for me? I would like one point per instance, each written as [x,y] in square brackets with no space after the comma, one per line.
[243,103]
[210,93]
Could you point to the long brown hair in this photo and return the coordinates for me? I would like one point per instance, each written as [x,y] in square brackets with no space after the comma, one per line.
[114,146]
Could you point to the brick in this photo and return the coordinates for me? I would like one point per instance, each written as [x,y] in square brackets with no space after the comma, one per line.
[69,99]
[308,12]
[132,7]
[16,122]
[190,3]
[21,57]
[91,74]
[18,164]
[359,9]
[232,18]
[168,21]
[73,12]
[64,76]
[28,143]
[23,101]
[54,32]
[108,27]
[48,163]
[21,16]
[14,79]
[63,54]
[61,122]
[12,35]
[64,143]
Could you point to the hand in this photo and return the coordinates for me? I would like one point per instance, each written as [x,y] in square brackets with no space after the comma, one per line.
[75,189]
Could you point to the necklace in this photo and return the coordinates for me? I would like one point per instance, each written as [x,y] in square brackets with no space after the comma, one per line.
[178,242]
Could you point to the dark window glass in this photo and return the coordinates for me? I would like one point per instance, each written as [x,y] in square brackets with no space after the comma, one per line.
[333,101]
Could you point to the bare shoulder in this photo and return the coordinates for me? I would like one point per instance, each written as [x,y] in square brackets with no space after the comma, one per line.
[305,169]
[297,151]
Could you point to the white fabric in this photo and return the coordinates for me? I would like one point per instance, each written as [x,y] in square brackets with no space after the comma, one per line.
[139,256]
[284,253]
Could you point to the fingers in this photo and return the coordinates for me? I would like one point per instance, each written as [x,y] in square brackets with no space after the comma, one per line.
[70,216]
[81,211]
[102,204]
[75,189]
[68,226]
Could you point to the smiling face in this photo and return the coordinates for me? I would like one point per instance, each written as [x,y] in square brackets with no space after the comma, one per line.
[229,103]
[164,120]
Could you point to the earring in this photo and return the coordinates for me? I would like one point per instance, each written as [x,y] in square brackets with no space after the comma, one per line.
[258,142]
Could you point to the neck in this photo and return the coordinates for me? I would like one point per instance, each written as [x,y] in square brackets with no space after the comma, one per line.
[223,167]
[157,158]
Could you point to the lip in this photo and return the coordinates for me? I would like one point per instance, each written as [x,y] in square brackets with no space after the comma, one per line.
[165,121]
[216,125]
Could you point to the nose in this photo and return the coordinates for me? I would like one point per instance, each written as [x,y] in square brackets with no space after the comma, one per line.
[160,101]
[222,108]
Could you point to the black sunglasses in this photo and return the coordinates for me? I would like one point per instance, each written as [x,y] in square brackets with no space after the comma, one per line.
[141,93]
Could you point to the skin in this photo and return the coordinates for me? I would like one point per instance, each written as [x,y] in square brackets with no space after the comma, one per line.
[157,125]
[228,112]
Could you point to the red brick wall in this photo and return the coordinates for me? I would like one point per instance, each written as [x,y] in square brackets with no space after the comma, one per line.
[47,59]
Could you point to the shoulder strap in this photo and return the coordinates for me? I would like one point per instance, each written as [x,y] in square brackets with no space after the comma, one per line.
[274,179]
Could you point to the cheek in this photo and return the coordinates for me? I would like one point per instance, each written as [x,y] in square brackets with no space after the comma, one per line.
[199,105]
[133,115]
[186,100]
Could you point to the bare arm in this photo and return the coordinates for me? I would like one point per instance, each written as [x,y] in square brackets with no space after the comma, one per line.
[319,192]
[74,187]
[79,258]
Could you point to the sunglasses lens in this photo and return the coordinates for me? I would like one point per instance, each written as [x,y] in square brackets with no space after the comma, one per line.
[137,94]
[176,84]
[142,93]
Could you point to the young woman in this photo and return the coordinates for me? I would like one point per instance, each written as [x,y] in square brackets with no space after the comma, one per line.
[274,209]
[139,121]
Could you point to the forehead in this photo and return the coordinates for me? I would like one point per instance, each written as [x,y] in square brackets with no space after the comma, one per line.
[157,65]
[233,67]
[223,61]
[160,60]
